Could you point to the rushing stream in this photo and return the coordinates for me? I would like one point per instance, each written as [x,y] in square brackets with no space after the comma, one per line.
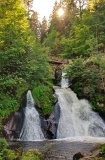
[77,117]
[79,128]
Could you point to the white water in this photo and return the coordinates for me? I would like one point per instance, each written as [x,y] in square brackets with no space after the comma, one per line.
[77,118]
[84,139]
[31,128]
[64,81]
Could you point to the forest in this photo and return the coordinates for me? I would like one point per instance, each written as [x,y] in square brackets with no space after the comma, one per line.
[26,46]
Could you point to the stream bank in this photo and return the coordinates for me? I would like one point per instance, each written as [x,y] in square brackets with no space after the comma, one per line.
[62,149]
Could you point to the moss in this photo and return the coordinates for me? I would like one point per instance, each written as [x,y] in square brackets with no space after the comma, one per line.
[31,155]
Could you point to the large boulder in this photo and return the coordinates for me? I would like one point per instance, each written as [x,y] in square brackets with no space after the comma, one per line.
[52,122]
[13,125]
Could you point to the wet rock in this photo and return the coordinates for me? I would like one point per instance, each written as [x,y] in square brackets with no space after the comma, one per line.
[93,154]
[44,127]
[13,125]
[55,99]
[52,122]
[58,76]
[77,156]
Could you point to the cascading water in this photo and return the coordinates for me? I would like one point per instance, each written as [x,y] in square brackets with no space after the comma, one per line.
[31,128]
[77,118]
[64,81]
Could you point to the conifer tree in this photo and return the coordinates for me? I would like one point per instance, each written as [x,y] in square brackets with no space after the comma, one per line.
[35,25]
[43,28]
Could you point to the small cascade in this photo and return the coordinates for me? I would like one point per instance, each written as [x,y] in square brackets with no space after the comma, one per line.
[77,117]
[64,81]
[31,127]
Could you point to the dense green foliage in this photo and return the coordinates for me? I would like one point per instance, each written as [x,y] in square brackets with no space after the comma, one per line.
[5,152]
[25,44]
[102,152]
[87,41]
[44,98]
[31,155]
[23,61]
[87,79]
[8,154]
[13,38]
[79,35]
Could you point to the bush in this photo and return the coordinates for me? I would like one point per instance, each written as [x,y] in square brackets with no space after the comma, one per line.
[9,154]
[86,77]
[3,144]
[43,96]
[31,155]
[6,153]
[102,152]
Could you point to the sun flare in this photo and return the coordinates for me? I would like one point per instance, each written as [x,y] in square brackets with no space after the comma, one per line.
[43,7]
[60,12]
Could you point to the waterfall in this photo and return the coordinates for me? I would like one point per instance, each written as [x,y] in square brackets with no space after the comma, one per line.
[64,81]
[77,117]
[31,127]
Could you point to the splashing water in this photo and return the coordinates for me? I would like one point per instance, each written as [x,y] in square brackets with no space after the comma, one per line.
[31,128]
[77,117]
[64,81]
